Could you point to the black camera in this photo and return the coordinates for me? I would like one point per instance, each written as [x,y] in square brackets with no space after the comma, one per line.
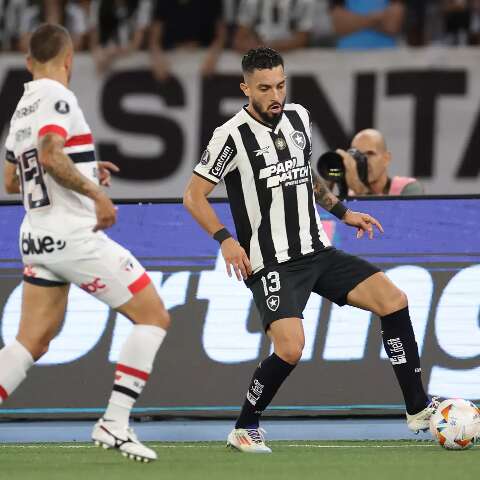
[331,168]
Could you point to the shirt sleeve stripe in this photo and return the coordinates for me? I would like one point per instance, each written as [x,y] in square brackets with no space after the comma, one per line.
[52,129]
[205,178]
[77,140]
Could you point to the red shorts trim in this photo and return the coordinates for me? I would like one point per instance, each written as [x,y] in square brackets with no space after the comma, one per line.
[3,393]
[52,129]
[140,283]
[77,140]
[132,371]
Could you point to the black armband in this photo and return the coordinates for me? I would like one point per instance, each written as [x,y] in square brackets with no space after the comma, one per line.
[339,210]
[222,235]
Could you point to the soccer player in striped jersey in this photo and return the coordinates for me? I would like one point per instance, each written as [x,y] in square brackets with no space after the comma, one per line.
[263,155]
[51,162]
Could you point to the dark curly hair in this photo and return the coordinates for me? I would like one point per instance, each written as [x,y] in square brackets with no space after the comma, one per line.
[261,58]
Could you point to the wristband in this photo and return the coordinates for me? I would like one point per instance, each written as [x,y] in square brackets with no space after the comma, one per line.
[222,235]
[339,210]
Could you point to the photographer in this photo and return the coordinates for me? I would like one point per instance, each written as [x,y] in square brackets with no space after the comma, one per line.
[365,168]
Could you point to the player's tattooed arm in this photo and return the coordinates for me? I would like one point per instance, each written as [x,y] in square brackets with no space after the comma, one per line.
[61,168]
[323,196]
[11,179]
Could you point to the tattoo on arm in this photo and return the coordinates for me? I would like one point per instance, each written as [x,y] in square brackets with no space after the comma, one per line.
[323,196]
[63,170]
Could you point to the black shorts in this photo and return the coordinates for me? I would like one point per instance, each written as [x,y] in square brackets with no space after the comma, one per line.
[282,291]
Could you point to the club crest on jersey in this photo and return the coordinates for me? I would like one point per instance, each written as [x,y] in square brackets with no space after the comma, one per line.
[273,302]
[62,107]
[205,157]
[298,139]
[280,144]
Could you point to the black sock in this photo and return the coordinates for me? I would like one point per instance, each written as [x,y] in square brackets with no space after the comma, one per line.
[266,381]
[401,347]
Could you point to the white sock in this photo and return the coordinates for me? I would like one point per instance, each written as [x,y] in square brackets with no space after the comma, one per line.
[133,369]
[15,361]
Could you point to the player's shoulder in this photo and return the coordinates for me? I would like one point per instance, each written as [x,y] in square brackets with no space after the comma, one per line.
[296,107]
[303,113]
[63,98]
[230,125]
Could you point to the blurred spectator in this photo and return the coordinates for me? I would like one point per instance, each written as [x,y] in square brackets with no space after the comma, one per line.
[10,15]
[188,24]
[230,15]
[323,34]
[67,13]
[280,24]
[461,22]
[362,24]
[118,29]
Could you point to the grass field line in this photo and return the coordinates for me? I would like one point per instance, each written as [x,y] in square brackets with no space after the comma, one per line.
[162,445]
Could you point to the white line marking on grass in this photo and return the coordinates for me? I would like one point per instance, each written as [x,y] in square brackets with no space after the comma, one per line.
[410,445]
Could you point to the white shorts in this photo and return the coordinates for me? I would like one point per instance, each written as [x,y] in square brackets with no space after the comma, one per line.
[96,264]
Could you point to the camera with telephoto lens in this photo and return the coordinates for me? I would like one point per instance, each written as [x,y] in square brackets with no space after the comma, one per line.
[331,168]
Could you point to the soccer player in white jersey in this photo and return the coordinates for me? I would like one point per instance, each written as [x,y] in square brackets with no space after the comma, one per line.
[263,155]
[51,162]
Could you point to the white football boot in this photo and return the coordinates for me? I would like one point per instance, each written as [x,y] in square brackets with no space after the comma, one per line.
[248,440]
[421,421]
[109,434]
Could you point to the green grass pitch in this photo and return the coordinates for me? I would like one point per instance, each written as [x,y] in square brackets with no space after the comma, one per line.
[211,461]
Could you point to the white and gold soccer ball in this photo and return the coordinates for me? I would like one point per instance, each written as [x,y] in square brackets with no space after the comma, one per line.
[456,424]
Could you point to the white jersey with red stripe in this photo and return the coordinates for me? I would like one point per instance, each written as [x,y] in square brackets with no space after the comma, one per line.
[47,106]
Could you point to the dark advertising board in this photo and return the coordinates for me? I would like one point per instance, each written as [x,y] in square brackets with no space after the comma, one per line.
[430,249]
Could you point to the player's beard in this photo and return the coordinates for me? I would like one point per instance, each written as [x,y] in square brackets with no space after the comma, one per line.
[267,116]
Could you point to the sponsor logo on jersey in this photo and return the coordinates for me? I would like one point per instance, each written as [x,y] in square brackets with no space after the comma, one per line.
[94,286]
[261,151]
[25,111]
[40,245]
[28,271]
[273,302]
[22,134]
[299,139]
[287,173]
[221,162]
[62,107]
[205,157]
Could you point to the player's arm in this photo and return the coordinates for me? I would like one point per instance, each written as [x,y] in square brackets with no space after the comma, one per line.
[362,221]
[61,168]
[196,202]
[10,178]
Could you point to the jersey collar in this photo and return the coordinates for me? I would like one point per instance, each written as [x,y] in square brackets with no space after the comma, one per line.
[264,124]
[40,83]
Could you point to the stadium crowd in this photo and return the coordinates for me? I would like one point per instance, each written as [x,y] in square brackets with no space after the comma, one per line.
[113,28]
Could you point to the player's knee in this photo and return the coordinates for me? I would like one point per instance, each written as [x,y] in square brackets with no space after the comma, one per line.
[291,352]
[394,301]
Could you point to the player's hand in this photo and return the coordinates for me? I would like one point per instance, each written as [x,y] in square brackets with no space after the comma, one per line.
[351,173]
[105,211]
[363,222]
[104,175]
[236,259]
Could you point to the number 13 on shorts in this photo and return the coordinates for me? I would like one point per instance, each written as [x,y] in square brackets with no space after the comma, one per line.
[271,283]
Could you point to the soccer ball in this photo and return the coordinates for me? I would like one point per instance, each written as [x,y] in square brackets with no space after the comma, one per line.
[456,424]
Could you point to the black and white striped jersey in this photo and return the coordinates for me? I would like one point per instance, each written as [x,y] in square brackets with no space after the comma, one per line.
[268,178]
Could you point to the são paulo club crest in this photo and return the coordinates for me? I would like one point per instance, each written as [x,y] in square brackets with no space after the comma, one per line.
[298,139]
[273,302]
